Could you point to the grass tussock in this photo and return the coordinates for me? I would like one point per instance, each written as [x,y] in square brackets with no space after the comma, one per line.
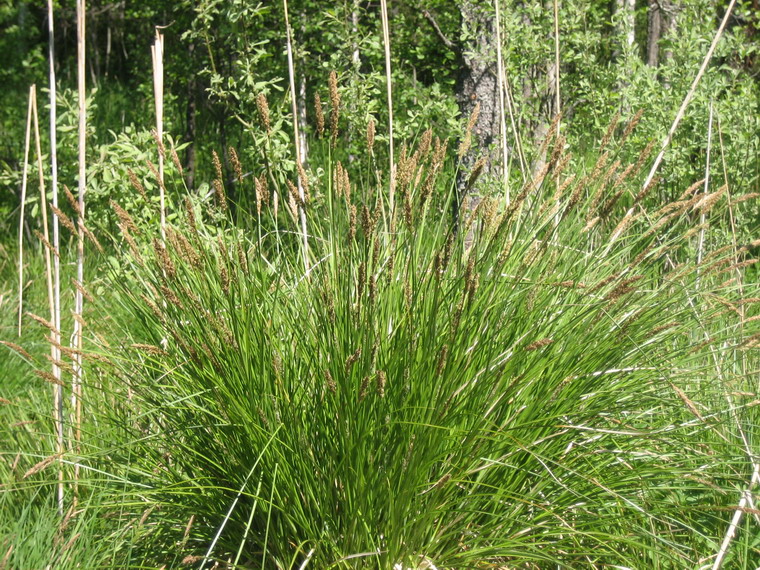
[554,381]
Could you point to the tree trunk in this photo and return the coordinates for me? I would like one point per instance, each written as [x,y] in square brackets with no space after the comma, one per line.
[654,33]
[477,84]
[662,16]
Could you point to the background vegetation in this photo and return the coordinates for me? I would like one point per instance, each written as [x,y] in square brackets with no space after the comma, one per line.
[549,365]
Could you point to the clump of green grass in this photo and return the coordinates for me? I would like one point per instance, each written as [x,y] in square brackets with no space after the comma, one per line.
[554,381]
[553,392]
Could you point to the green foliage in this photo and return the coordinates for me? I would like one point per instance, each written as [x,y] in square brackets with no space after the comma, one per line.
[565,380]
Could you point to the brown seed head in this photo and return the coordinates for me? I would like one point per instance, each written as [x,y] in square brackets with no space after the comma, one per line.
[334,106]
[176,161]
[258,191]
[319,114]
[164,260]
[363,388]
[217,165]
[329,382]
[46,243]
[64,219]
[124,217]
[17,348]
[48,377]
[351,360]
[346,186]
[136,184]
[371,135]
[476,171]
[263,108]
[45,323]
[610,129]
[632,125]
[425,144]
[443,355]
[381,379]
[643,155]
[351,222]
[221,197]
[361,280]
[235,162]
[156,175]
[242,257]
[42,465]
[190,214]
[539,344]
[464,146]
[304,183]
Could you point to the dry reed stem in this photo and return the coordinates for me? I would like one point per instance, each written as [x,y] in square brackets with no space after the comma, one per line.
[500,75]
[53,96]
[690,93]
[732,527]
[24,178]
[55,377]
[302,180]
[77,337]
[157,57]
[389,94]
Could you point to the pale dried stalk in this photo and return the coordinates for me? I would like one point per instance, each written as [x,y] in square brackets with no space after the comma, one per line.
[736,519]
[703,216]
[24,178]
[56,334]
[77,337]
[684,105]
[56,231]
[389,90]
[157,56]
[513,123]
[557,99]
[54,166]
[500,76]
[690,94]
[730,216]
[299,163]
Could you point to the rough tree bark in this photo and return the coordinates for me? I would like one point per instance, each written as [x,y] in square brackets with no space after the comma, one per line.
[477,85]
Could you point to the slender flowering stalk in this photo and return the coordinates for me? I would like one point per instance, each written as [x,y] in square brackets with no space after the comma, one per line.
[299,158]
[76,388]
